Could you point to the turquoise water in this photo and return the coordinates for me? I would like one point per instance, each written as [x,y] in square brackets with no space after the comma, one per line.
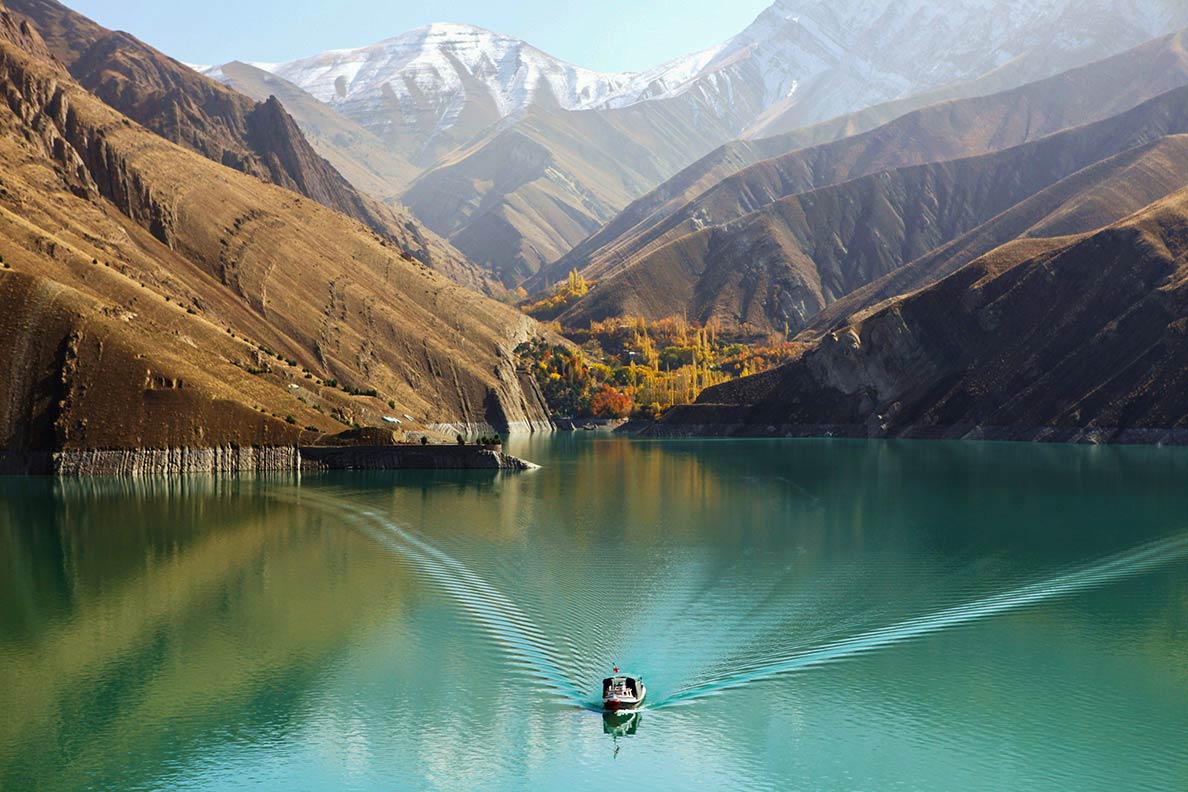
[808,615]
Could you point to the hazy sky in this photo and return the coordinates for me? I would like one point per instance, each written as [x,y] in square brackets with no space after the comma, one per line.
[610,35]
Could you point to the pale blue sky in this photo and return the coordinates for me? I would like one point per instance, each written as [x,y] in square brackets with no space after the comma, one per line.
[610,35]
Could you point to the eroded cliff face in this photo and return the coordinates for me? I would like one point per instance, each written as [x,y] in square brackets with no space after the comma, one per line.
[81,376]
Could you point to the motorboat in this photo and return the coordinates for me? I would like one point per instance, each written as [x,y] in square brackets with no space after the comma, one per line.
[622,692]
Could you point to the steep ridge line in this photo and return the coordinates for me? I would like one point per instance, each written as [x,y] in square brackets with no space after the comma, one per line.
[743,176]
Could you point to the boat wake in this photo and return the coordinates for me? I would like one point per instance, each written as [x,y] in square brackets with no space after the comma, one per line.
[529,649]
[1109,570]
[533,654]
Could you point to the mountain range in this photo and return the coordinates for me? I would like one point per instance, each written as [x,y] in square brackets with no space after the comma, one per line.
[523,156]
[774,243]
[968,218]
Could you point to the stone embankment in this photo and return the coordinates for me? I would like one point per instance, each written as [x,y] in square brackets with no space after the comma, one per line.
[155,462]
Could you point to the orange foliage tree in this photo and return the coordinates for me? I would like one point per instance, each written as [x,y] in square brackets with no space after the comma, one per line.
[610,403]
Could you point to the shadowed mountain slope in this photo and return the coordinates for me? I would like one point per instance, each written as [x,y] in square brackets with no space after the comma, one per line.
[743,176]
[356,153]
[1090,199]
[1086,340]
[776,268]
[154,299]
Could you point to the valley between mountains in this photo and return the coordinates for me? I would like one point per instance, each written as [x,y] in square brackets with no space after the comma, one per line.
[863,219]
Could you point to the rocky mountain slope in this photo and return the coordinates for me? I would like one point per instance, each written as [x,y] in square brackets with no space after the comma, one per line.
[777,268]
[1090,199]
[522,196]
[744,176]
[1081,339]
[568,147]
[369,164]
[259,138]
[155,299]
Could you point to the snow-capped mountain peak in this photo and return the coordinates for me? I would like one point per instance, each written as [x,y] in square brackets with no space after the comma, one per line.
[443,83]
[443,60]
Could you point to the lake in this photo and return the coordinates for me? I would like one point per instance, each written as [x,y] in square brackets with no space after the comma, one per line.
[807,615]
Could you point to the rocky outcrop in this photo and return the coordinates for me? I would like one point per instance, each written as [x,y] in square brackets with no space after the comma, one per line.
[42,103]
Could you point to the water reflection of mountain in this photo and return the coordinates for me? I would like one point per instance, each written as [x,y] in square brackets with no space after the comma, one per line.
[159,616]
[186,633]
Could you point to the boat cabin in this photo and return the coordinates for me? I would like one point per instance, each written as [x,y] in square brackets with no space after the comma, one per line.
[619,687]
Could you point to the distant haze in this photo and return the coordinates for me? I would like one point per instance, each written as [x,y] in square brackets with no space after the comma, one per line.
[609,35]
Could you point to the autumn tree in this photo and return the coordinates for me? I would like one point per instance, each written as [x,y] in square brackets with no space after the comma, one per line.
[576,286]
[610,403]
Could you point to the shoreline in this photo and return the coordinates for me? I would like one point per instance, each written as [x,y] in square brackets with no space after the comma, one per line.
[82,463]
[1064,435]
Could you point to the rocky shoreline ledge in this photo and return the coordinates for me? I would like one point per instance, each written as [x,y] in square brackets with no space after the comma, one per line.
[263,459]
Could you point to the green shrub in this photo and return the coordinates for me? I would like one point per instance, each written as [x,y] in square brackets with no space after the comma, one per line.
[424,440]
[461,440]
[290,419]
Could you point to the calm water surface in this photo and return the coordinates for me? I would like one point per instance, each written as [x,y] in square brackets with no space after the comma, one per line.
[808,615]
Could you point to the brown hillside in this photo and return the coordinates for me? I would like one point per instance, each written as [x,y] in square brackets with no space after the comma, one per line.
[1090,199]
[142,284]
[522,195]
[257,138]
[1085,341]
